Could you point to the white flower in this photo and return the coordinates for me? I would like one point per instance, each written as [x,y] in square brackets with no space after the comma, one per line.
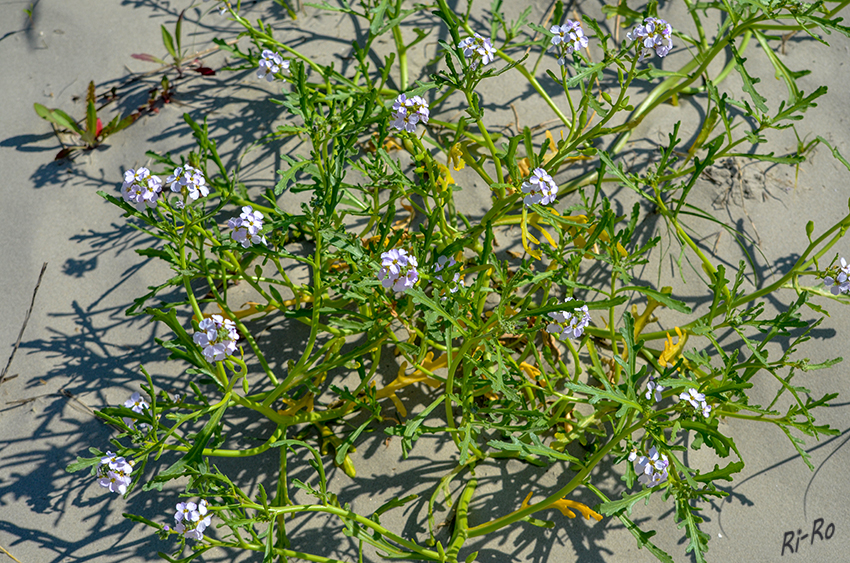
[217,336]
[247,226]
[841,281]
[705,408]
[694,397]
[141,188]
[135,403]
[653,468]
[187,512]
[654,388]
[138,405]
[409,112]
[191,179]
[568,38]
[569,324]
[653,37]
[192,519]
[114,473]
[270,64]
[477,50]
[540,188]
[398,270]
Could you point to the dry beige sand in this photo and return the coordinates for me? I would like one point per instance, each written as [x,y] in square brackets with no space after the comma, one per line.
[80,352]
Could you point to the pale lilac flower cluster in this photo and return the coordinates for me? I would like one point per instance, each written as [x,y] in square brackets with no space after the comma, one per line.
[477,50]
[841,282]
[568,325]
[114,473]
[652,467]
[192,519]
[398,270]
[540,188]
[247,227]
[697,400]
[448,262]
[217,336]
[189,180]
[654,35]
[568,38]
[270,64]
[138,405]
[409,112]
[653,388]
[141,188]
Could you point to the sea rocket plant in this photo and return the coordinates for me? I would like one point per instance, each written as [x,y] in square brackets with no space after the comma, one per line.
[189,181]
[270,64]
[540,188]
[247,227]
[840,283]
[654,36]
[141,188]
[342,115]
[568,38]
[217,336]
[477,49]
[398,270]
[567,324]
[409,112]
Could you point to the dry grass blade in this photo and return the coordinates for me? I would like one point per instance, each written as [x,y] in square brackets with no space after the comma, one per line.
[9,554]
[23,327]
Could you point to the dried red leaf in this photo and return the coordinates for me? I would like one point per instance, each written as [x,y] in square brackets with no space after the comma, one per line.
[205,70]
[62,154]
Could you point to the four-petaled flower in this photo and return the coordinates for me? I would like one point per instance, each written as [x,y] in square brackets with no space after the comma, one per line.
[569,324]
[568,38]
[247,227]
[192,519]
[135,403]
[141,188]
[653,388]
[187,511]
[840,282]
[270,64]
[138,405]
[398,270]
[540,188]
[693,396]
[697,400]
[189,179]
[409,112]
[217,336]
[654,36]
[114,473]
[477,50]
[652,467]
